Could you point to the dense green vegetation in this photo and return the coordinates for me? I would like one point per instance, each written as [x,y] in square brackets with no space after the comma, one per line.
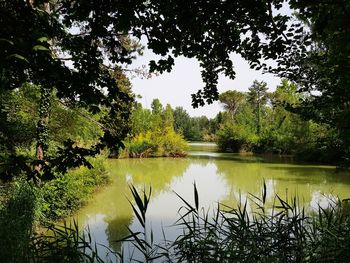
[261,121]
[16,222]
[21,243]
[27,201]
[310,49]
[255,121]
[158,122]
[194,128]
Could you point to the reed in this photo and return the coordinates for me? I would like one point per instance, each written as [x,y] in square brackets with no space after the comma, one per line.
[65,243]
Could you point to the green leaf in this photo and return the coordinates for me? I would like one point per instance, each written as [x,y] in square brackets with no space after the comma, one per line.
[40,48]
[7,41]
[42,39]
[17,56]
[196,198]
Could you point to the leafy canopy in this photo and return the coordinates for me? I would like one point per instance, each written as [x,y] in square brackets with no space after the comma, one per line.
[92,36]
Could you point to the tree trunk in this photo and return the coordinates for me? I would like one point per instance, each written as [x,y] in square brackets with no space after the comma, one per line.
[42,131]
[259,127]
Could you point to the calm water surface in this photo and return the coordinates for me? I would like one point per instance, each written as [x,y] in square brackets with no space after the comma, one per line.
[224,178]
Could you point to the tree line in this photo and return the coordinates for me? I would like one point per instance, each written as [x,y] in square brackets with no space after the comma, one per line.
[262,121]
[257,121]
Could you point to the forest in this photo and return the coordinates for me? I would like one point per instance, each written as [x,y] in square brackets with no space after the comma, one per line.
[67,108]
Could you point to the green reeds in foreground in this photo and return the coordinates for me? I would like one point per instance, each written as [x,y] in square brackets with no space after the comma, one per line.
[64,243]
[282,233]
[143,241]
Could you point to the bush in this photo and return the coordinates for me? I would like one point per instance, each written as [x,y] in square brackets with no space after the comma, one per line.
[236,138]
[209,137]
[272,141]
[68,192]
[156,143]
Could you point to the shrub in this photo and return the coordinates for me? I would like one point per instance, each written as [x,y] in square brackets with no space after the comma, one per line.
[209,137]
[165,142]
[68,192]
[236,138]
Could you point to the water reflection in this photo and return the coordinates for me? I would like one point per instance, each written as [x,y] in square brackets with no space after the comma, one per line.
[224,178]
[158,172]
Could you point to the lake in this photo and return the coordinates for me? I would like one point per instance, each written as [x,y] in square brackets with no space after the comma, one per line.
[219,177]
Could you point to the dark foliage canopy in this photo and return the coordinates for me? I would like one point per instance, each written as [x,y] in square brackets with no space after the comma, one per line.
[92,35]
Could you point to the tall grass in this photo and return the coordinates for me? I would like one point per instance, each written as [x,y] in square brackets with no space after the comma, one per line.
[23,206]
[142,242]
[64,243]
[19,242]
[17,215]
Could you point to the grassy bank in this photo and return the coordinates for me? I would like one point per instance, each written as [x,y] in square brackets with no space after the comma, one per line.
[68,192]
[25,206]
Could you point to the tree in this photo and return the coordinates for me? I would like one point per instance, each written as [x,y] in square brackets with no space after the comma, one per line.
[93,37]
[168,116]
[182,122]
[157,107]
[20,114]
[286,94]
[198,127]
[285,132]
[214,124]
[192,128]
[141,119]
[231,100]
[318,62]
[257,96]
[157,111]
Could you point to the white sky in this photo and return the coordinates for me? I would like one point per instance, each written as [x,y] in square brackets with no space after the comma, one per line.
[177,86]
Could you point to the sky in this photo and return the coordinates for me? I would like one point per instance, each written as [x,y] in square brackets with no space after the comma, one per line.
[177,86]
